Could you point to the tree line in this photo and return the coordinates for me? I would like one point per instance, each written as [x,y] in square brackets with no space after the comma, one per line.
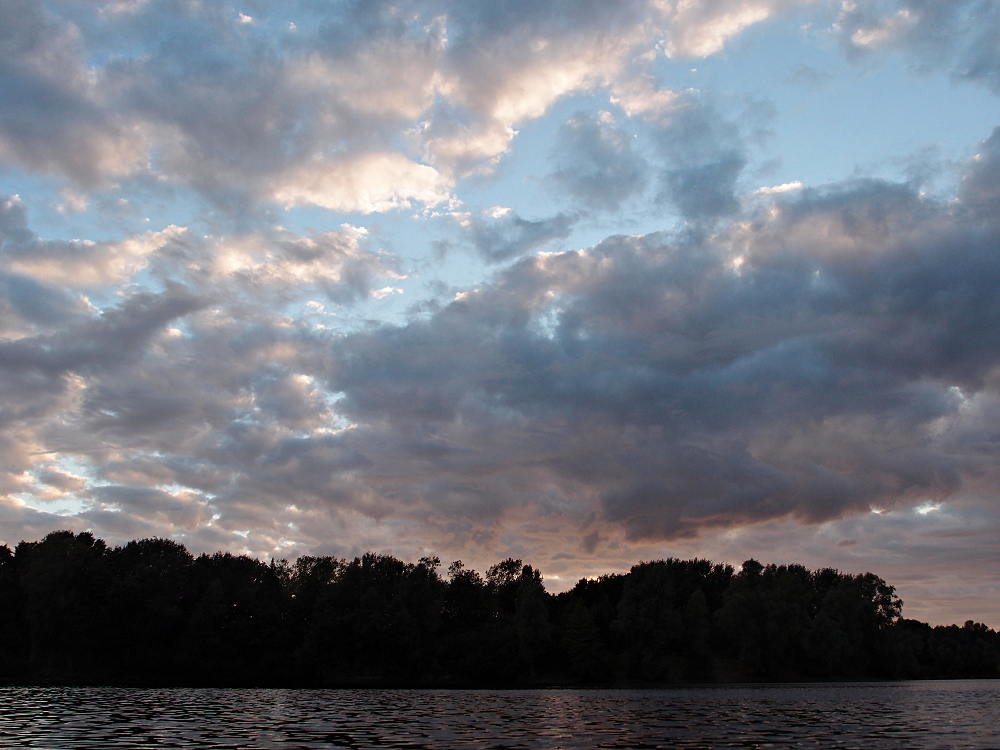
[74,610]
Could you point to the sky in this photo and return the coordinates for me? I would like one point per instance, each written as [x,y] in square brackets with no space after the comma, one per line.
[579,282]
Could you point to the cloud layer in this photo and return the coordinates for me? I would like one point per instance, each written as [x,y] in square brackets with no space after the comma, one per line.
[750,360]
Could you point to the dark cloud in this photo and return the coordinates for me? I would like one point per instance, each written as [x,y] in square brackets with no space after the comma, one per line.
[37,303]
[810,374]
[980,61]
[144,504]
[980,189]
[13,223]
[116,336]
[204,386]
[259,106]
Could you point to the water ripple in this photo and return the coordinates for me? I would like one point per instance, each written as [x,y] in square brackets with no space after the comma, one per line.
[852,716]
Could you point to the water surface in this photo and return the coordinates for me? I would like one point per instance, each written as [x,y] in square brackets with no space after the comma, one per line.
[961,714]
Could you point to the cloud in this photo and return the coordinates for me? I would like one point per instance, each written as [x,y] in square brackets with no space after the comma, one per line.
[145,505]
[779,357]
[706,190]
[273,262]
[280,265]
[364,183]
[87,264]
[829,353]
[701,29]
[810,363]
[53,119]
[23,297]
[957,35]
[642,96]
[368,110]
[703,150]
[114,336]
[980,188]
[595,161]
[785,187]
[499,234]
[187,370]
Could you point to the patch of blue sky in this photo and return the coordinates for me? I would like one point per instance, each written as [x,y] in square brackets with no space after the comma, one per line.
[60,467]
[63,506]
[55,212]
[835,118]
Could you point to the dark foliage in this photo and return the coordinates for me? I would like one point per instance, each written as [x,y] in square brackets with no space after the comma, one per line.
[74,610]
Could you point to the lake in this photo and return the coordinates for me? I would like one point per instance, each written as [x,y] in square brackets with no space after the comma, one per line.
[958,714]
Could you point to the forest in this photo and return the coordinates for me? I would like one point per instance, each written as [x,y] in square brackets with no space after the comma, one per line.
[74,610]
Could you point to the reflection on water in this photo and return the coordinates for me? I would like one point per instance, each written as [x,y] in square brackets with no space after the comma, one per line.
[868,716]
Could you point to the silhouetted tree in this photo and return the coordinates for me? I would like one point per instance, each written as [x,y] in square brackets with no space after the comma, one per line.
[14,637]
[647,621]
[588,656]
[533,631]
[697,631]
[65,586]
[766,615]
[71,609]
[148,582]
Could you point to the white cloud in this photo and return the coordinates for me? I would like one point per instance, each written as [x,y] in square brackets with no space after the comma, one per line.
[886,30]
[642,96]
[785,187]
[363,183]
[87,264]
[699,29]
[335,125]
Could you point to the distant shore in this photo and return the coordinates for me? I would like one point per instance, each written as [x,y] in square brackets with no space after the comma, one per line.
[149,614]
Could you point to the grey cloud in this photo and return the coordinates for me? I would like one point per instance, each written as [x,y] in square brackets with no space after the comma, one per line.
[271,263]
[508,235]
[60,480]
[980,61]
[206,100]
[136,400]
[705,153]
[38,303]
[349,265]
[207,403]
[480,20]
[149,504]
[596,162]
[13,223]
[256,112]
[706,190]
[810,361]
[276,265]
[958,35]
[49,118]
[42,269]
[810,375]
[980,189]
[116,336]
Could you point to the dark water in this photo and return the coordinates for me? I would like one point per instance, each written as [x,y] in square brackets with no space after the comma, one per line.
[862,716]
